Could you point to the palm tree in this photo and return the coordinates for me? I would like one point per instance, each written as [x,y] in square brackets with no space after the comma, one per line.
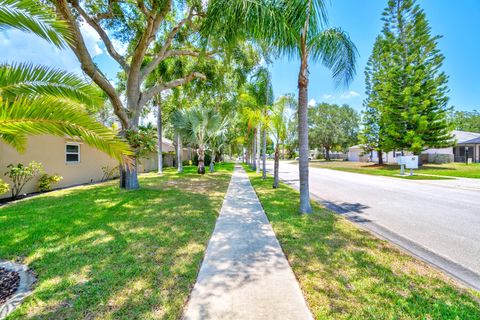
[278,128]
[217,141]
[252,117]
[256,100]
[295,28]
[198,125]
[261,89]
[39,100]
[32,16]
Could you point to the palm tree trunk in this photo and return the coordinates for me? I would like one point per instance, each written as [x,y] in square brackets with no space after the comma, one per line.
[175,147]
[254,151]
[305,206]
[159,134]
[275,167]
[128,176]
[179,154]
[212,160]
[201,159]
[257,154]
[283,150]
[264,154]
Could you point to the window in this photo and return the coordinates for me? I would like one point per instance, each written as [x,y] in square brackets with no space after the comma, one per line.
[72,153]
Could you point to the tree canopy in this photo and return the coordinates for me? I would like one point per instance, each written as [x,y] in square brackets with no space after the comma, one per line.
[406,106]
[333,127]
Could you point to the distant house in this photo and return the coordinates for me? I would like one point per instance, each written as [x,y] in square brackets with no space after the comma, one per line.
[75,161]
[467,147]
[358,154]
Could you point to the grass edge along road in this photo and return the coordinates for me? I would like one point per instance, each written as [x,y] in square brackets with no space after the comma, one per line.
[104,253]
[427,172]
[348,273]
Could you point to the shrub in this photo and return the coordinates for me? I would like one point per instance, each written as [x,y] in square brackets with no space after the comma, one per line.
[21,174]
[4,187]
[109,173]
[46,181]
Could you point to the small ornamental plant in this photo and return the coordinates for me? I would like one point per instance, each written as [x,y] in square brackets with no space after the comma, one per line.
[46,181]
[4,187]
[20,175]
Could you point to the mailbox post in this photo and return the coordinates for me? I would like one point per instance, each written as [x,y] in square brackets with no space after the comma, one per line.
[411,162]
[401,162]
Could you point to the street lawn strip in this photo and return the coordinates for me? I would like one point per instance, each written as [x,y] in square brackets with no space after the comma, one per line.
[426,172]
[347,273]
[104,253]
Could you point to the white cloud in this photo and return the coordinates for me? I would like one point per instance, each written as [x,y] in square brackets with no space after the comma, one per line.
[92,39]
[344,96]
[312,103]
[17,46]
[350,94]
[119,46]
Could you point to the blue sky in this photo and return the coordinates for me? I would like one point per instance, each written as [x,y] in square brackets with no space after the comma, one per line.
[458,22]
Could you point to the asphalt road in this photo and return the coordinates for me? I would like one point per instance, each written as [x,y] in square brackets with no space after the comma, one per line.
[438,221]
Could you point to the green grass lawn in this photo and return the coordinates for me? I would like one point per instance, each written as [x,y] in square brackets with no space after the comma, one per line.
[346,273]
[391,170]
[104,253]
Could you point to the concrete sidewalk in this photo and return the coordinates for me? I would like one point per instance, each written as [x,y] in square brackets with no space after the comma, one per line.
[245,274]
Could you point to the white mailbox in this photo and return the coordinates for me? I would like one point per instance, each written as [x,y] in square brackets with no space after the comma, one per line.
[411,162]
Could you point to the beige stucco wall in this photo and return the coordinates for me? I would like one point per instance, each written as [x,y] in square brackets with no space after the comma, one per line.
[50,151]
[150,163]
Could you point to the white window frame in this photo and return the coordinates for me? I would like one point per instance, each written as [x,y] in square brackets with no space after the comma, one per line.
[77,153]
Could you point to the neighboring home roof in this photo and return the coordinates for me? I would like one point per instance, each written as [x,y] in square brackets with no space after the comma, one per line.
[358,146]
[167,141]
[170,146]
[464,136]
[472,141]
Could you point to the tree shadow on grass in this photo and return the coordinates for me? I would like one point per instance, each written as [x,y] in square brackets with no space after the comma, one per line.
[346,273]
[104,253]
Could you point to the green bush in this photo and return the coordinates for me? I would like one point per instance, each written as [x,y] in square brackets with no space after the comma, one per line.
[4,187]
[21,174]
[46,181]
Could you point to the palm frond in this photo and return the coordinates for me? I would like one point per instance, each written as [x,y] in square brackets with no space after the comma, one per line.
[29,80]
[198,125]
[33,16]
[334,48]
[23,117]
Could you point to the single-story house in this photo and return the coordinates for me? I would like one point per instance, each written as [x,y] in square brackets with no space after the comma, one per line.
[358,154]
[76,162]
[467,146]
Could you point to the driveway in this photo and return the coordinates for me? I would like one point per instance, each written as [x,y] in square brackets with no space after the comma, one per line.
[438,221]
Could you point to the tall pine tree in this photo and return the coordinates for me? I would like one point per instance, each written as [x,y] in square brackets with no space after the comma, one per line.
[372,134]
[407,88]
